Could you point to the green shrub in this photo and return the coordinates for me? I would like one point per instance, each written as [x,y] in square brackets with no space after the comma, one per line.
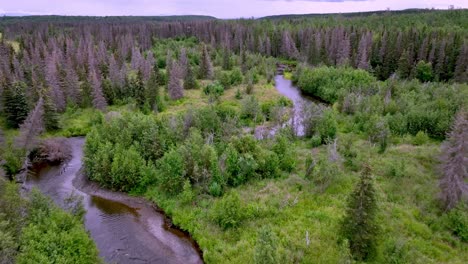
[282,147]
[424,71]
[171,172]
[458,221]
[265,247]
[216,189]
[328,83]
[228,212]
[215,89]
[421,138]
[327,126]
[236,77]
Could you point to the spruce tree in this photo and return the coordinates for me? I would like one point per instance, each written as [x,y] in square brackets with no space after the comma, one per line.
[226,60]
[139,90]
[152,90]
[15,105]
[31,127]
[190,82]
[206,67]
[453,184]
[51,117]
[174,87]
[359,226]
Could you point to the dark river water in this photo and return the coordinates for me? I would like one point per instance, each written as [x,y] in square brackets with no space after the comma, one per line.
[125,229]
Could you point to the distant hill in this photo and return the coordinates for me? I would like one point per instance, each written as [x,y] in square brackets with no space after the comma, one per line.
[13,18]
[355,14]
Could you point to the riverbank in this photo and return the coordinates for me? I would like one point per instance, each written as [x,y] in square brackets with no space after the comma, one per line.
[125,229]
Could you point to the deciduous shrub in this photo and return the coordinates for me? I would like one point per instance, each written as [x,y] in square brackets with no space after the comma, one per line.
[228,212]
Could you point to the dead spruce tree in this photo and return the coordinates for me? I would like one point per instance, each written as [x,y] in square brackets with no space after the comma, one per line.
[453,185]
[31,128]
[175,87]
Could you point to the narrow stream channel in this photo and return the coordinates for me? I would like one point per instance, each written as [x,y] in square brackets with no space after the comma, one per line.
[286,88]
[125,229]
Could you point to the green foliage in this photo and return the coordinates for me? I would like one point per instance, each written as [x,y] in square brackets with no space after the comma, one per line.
[421,138]
[424,71]
[285,151]
[327,126]
[126,168]
[15,106]
[236,77]
[13,160]
[51,117]
[187,194]
[54,236]
[36,231]
[228,212]
[215,89]
[190,82]
[458,221]
[359,226]
[265,247]
[329,83]
[171,172]
[250,108]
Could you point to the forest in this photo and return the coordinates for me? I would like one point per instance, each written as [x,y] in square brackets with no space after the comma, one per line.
[186,112]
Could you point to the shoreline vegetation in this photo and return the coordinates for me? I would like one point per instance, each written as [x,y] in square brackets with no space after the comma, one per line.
[170,109]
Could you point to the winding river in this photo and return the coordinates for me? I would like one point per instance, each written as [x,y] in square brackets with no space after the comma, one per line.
[129,229]
[126,229]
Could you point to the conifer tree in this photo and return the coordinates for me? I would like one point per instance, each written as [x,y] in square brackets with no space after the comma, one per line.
[453,184]
[359,226]
[190,82]
[51,117]
[15,105]
[139,90]
[227,60]
[206,67]
[404,67]
[174,87]
[461,68]
[99,102]
[152,90]
[31,127]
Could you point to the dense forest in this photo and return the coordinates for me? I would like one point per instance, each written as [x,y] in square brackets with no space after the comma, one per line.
[184,112]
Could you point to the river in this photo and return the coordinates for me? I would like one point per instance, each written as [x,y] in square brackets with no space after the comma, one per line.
[129,229]
[126,229]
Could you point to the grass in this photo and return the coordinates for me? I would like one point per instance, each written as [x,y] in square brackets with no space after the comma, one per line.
[293,206]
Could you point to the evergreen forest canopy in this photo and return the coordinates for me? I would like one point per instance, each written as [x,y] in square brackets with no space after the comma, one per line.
[176,108]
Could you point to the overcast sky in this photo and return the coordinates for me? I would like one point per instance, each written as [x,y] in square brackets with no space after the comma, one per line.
[217,8]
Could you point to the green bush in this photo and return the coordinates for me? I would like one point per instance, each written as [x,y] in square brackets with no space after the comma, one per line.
[228,212]
[328,83]
[171,172]
[421,138]
[215,89]
[458,221]
[424,71]
[327,126]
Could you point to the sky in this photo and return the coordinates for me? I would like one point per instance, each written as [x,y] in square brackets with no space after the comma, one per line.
[217,8]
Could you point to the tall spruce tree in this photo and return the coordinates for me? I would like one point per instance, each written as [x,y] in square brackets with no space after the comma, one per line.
[15,105]
[453,184]
[206,67]
[139,90]
[152,90]
[359,226]
[190,82]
